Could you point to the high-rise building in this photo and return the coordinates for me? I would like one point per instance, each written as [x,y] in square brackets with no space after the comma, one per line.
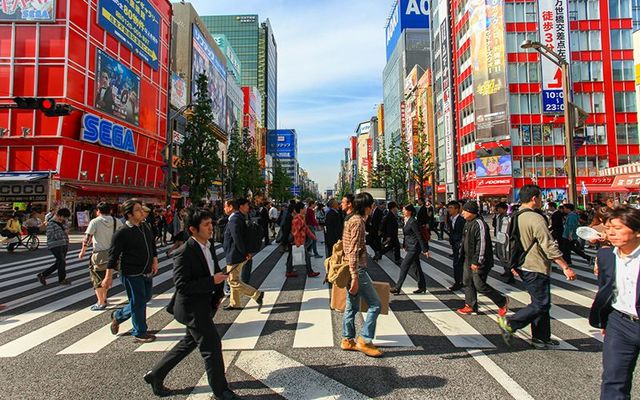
[268,75]
[510,126]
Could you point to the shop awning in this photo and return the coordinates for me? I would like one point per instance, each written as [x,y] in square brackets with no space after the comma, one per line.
[134,191]
[605,189]
[493,190]
[22,177]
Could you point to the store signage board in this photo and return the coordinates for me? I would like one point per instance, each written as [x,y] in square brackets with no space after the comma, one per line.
[106,133]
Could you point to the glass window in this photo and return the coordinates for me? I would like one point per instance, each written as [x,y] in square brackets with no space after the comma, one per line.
[536,107]
[632,134]
[558,135]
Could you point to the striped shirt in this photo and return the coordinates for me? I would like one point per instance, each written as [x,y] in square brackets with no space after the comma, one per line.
[354,245]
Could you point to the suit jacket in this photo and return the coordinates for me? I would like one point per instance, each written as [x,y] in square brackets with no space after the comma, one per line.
[413,239]
[601,308]
[333,226]
[373,224]
[455,232]
[235,235]
[389,226]
[196,297]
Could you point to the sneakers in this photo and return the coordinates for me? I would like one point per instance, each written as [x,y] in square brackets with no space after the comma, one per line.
[146,338]
[292,274]
[368,349]
[507,331]
[313,274]
[42,280]
[115,325]
[543,344]
[348,344]
[98,307]
[467,310]
[502,311]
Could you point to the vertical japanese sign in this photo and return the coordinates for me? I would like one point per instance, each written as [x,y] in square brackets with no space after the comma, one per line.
[489,67]
[447,99]
[554,34]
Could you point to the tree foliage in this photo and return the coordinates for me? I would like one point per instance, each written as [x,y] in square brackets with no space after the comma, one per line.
[397,171]
[280,183]
[422,165]
[243,166]
[200,164]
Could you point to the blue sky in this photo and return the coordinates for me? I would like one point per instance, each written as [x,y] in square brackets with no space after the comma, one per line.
[330,59]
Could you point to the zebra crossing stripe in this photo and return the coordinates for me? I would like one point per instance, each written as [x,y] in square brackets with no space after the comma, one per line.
[262,255]
[202,390]
[511,386]
[458,331]
[18,265]
[291,379]
[247,328]
[314,318]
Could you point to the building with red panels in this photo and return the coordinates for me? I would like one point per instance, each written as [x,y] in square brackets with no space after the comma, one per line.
[508,101]
[252,111]
[107,59]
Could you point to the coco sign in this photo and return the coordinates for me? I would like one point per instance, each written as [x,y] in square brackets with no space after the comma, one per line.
[21,192]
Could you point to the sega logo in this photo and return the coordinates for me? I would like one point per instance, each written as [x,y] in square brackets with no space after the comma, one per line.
[106,133]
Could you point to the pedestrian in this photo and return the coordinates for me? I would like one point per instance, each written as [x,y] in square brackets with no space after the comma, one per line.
[478,261]
[235,248]
[180,234]
[133,250]
[286,217]
[346,206]
[100,234]
[167,216]
[58,245]
[442,220]
[616,307]
[569,241]
[500,232]
[353,240]
[529,228]
[415,245]
[198,279]
[312,224]
[301,235]
[273,218]
[389,232]
[11,231]
[455,230]
[373,231]
[263,213]
[321,214]
[333,226]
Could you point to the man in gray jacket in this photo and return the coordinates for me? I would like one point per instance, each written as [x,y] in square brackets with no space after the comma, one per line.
[58,244]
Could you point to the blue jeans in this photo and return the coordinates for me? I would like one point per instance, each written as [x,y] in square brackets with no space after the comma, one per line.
[368,292]
[619,357]
[139,292]
[536,313]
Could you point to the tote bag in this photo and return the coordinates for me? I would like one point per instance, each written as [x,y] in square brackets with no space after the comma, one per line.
[297,255]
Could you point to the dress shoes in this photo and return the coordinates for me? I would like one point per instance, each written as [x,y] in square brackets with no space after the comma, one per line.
[260,300]
[420,291]
[394,291]
[115,325]
[156,384]
[227,395]
[231,308]
[313,274]
[146,338]
[456,286]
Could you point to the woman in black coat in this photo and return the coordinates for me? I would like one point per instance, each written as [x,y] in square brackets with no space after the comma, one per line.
[415,244]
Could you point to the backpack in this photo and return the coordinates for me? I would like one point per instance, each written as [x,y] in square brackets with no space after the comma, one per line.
[254,236]
[517,253]
[337,267]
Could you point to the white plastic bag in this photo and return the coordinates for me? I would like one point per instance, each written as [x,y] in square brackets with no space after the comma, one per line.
[297,255]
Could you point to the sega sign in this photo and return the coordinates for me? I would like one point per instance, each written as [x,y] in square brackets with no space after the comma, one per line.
[106,133]
[406,14]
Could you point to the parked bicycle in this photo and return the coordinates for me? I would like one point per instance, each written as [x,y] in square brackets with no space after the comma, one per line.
[27,238]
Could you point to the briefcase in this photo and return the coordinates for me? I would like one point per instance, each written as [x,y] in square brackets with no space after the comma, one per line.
[339,298]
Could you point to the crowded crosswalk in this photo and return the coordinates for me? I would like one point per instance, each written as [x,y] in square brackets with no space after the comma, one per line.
[56,321]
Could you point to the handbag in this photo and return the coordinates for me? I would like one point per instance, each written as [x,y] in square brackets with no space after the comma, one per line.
[297,255]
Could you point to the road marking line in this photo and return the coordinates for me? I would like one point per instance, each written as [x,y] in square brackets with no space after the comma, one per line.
[315,324]
[511,386]
[202,390]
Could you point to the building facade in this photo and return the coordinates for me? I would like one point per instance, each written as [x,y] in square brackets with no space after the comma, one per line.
[109,147]
[268,75]
[282,145]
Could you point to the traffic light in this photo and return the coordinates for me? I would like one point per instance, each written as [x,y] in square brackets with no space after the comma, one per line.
[46,105]
[578,116]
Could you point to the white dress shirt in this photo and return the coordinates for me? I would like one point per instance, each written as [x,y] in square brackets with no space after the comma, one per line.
[626,285]
[206,249]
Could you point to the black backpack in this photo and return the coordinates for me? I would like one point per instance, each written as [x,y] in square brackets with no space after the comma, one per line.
[517,253]
[255,234]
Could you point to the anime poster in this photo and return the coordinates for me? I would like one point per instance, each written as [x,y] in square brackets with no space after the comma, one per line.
[493,166]
[117,89]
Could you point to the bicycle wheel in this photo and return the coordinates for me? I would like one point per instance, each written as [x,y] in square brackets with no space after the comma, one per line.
[33,243]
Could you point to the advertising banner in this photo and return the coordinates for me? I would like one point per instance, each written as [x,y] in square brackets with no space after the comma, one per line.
[233,62]
[554,33]
[178,91]
[136,24]
[406,14]
[117,89]
[281,144]
[487,29]
[206,62]
[27,10]
[493,166]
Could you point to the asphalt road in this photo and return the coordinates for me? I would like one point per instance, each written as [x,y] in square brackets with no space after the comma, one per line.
[52,346]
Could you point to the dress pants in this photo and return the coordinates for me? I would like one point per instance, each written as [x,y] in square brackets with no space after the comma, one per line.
[238,287]
[307,257]
[619,356]
[458,262]
[476,282]
[567,246]
[60,253]
[412,259]
[537,313]
[205,337]
[394,244]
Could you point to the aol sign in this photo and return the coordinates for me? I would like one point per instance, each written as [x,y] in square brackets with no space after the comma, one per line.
[417,7]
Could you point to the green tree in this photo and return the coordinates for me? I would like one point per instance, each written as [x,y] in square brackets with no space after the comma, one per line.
[243,166]
[379,172]
[200,164]
[252,174]
[280,183]
[422,165]
[360,183]
[398,171]
[234,182]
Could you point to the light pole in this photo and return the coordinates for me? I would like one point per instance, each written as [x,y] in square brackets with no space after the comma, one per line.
[172,123]
[569,149]
[535,167]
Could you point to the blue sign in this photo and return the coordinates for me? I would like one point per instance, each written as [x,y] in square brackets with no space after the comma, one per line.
[136,24]
[295,190]
[552,101]
[584,190]
[106,133]
[281,143]
[406,14]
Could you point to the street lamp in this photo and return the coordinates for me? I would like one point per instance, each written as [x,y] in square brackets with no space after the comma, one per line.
[569,149]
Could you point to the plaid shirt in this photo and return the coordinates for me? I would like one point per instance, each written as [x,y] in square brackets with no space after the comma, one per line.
[354,244]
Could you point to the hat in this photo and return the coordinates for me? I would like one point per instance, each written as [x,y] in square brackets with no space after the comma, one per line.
[471,206]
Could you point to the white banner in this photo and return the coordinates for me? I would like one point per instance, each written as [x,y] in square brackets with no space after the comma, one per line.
[554,33]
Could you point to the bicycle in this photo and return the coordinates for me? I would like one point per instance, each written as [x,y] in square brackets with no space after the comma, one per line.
[28,238]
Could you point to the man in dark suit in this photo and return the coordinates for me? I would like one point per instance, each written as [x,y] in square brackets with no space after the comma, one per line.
[104,93]
[198,281]
[389,232]
[373,226]
[455,230]
[333,225]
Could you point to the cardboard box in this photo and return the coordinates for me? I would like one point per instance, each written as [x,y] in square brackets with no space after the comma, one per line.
[339,298]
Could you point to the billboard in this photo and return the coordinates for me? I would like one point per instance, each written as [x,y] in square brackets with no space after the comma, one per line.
[487,30]
[281,143]
[178,91]
[206,62]
[406,14]
[493,166]
[134,24]
[554,33]
[117,89]
[233,62]
[27,11]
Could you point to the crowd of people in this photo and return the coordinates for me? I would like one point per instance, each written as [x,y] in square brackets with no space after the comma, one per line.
[526,239]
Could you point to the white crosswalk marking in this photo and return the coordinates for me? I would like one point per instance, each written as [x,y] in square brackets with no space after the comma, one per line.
[202,390]
[314,319]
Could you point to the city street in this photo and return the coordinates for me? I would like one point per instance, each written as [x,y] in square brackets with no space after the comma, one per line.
[52,343]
